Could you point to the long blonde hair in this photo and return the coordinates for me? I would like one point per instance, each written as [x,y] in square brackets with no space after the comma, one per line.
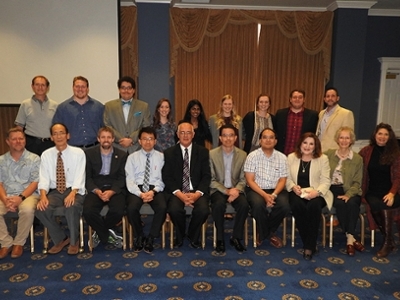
[235,118]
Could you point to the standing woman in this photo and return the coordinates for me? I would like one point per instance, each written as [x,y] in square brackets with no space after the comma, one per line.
[346,177]
[195,115]
[163,123]
[381,182]
[255,121]
[226,115]
[308,185]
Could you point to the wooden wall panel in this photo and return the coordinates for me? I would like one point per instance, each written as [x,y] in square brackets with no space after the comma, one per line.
[7,118]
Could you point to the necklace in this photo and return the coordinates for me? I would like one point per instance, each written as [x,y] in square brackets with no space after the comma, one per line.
[304,166]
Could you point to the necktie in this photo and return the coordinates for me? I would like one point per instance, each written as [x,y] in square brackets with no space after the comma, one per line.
[60,181]
[146,179]
[186,173]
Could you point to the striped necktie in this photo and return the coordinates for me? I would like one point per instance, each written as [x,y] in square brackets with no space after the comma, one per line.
[186,173]
[146,179]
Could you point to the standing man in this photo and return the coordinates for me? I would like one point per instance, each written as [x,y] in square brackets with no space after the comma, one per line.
[35,116]
[105,185]
[126,116]
[187,179]
[291,122]
[19,177]
[227,185]
[82,115]
[145,185]
[331,119]
[266,171]
[62,183]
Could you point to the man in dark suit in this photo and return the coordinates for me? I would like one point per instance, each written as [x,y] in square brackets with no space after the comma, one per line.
[105,184]
[291,122]
[186,174]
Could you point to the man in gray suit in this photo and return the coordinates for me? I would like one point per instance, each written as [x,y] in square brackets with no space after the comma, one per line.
[227,185]
[126,116]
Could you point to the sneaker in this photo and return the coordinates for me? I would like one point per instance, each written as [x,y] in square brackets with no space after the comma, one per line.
[95,240]
[115,242]
[114,235]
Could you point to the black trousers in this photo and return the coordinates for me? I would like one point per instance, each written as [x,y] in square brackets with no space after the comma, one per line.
[91,211]
[176,210]
[218,207]
[158,204]
[376,203]
[308,218]
[36,145]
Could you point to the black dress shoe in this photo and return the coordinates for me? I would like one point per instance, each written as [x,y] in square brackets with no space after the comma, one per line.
[148,246]
[178,243]
[220,246]
[237,244]
[138,245]
[194,244]
[307,254]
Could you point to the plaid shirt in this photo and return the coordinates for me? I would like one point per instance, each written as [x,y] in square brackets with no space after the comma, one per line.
[293,131]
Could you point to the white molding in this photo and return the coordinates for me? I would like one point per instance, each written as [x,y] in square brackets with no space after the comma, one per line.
[384,12]
[247,7]
[351,4]
[153,1]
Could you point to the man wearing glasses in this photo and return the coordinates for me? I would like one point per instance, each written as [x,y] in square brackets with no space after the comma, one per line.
[145,185]
[126,116]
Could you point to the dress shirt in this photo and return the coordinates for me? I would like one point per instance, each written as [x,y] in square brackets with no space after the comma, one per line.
[126,105]
[293,130]
[325,120]
[16,176]
[228,168]
[74,160]
[136,166]
[106,163]
[82,121]
[268,170]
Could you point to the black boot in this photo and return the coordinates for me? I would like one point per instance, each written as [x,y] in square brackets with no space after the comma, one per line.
[388,243]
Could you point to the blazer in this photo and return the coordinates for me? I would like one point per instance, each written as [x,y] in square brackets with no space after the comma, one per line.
[200,174]
[319,176]
[138,117]
[116,178]
[340,117]
[310,121]
[218,170]
[248,129]
[215,132]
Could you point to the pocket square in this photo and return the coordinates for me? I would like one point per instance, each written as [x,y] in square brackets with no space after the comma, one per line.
[137,113]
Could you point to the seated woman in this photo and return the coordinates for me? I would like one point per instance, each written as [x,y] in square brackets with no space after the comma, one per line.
[346,176]
[308,185]
[381,182]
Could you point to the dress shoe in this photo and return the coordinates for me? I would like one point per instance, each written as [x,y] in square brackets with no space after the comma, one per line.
[358,246]
[237,244]
[307,254]
[17,251]
[194,244]
[350,250]
[275,241]
[4,251]
[178,243]
[148,246]
[57,248]
[138,245]
[220,246]
[73,249]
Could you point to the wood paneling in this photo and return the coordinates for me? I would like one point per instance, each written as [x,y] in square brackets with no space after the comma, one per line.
[7,118]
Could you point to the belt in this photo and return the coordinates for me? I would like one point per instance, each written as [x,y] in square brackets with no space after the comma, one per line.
[38,138]
[87,146]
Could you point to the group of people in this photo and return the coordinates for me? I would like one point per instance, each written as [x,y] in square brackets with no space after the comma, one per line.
[297,161]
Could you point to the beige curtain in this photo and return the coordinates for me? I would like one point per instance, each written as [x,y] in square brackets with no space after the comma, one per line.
[128,42]
[215,52]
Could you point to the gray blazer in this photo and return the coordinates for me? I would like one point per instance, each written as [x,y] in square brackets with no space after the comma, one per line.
[138,117]
[218,170]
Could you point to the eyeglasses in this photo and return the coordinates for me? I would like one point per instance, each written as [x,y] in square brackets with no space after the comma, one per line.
[126,88]
[148,139]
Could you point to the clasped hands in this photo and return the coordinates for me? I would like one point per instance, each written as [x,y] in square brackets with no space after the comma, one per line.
[188,198]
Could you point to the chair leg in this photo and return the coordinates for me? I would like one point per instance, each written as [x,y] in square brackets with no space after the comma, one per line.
[293,230]
[32,234]
[254,233]
[372,238]
[171,239]
[81,241]
[130,237]
[331,231]
[163,234]
[90,239]
[124,222]
[45,240]
[246,233]
[362,229]
[323,230]
[284,231]
[214,236]
[203,234]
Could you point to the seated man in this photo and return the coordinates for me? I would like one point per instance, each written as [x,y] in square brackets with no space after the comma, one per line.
[227,185]
[187,177]
[19,177]
[266,171]
[105,184]
[145,185]
[62,184]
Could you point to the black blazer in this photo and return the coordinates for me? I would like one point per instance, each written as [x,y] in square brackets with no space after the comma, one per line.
[200,173]
[310,121]
[116,179]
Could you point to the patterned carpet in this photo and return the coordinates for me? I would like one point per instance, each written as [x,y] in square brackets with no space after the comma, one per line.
[186,273]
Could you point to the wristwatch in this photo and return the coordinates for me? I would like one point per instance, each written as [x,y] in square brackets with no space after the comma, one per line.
[22,197]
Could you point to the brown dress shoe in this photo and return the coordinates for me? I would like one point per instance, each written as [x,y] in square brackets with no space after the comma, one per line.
[17,251]
[57,248]
[350,250]
[358,246]
[4,251]
[275,241]
[73,249]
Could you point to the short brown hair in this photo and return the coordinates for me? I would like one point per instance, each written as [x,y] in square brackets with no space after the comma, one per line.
[105,129]
[80,78]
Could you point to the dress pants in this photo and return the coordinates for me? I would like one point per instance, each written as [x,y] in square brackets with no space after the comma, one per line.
[268,218]
[376,203]
[72,215]
[92,208]
[218,207]
[176,210]
[307,214]
[158,204]
[26,214]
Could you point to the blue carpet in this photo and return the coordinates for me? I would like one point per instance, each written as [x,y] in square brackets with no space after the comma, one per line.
[186,273]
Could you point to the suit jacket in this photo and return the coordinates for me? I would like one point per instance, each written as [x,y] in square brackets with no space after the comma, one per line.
[340,117]
[138,117]
[116,178]
[310,120]
[200,174]
[319,176]
[218,170]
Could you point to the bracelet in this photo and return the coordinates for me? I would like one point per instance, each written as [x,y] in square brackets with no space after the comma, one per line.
[274,195]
